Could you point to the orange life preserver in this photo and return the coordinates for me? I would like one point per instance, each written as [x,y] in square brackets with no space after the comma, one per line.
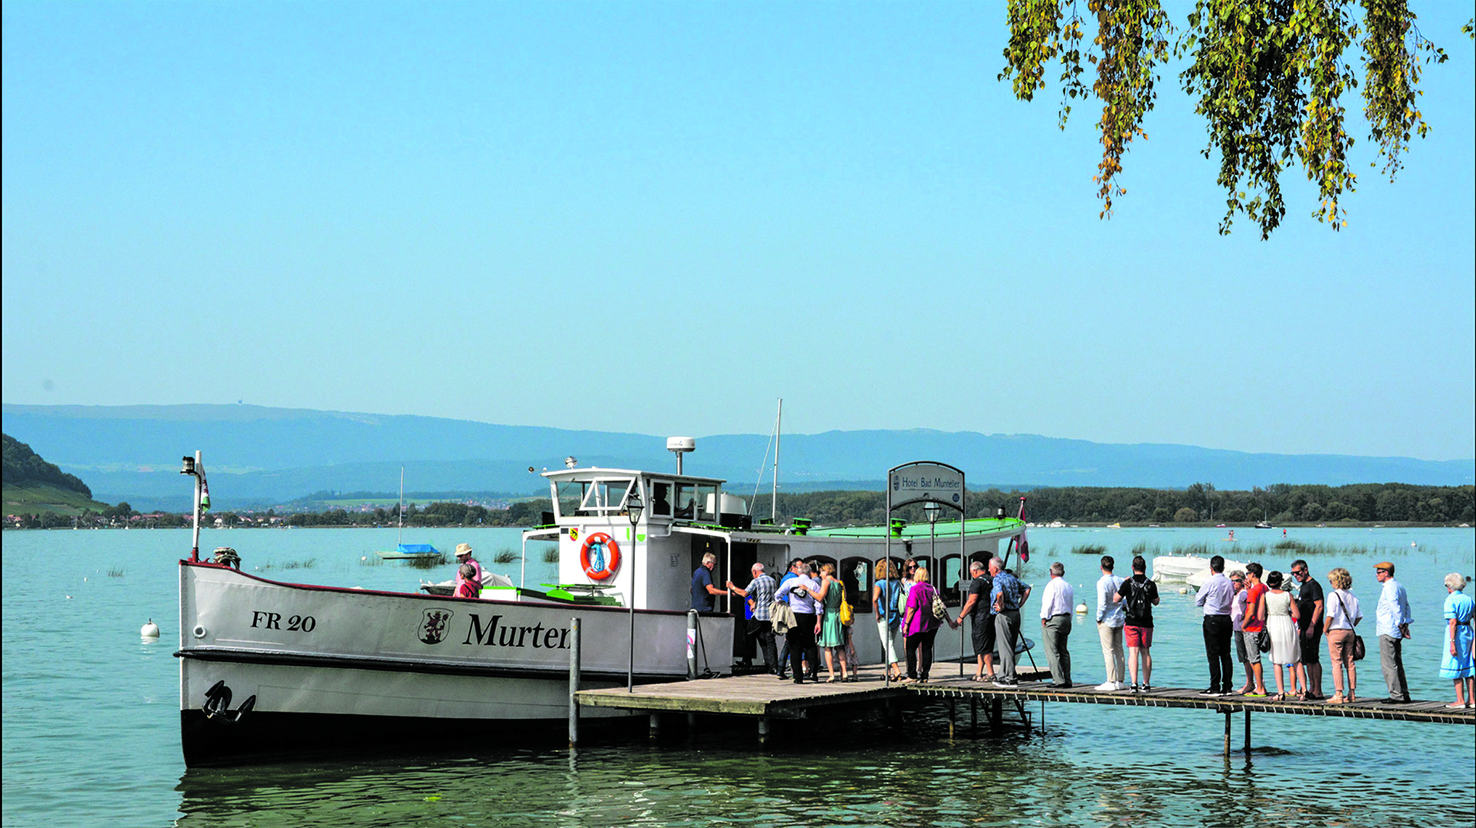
[611,555]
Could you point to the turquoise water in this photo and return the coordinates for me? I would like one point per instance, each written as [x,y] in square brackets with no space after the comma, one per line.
[90,718]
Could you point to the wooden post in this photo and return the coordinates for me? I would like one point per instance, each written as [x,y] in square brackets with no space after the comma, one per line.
[691,724]
[952,716]
[763,728]
[653,725]
[973,716]
[1227,733]
[573,682]
[1247,732]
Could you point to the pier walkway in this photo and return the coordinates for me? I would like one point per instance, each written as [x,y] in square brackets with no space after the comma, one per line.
[763,697]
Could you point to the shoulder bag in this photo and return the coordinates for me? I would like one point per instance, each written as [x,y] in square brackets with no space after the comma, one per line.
[847,615]
[940,610]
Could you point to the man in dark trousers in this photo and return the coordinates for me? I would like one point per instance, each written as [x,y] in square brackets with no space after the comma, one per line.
[1215,597]
[1309,625]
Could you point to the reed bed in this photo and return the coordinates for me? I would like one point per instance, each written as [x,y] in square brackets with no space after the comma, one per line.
[305,563]
[505,556]
[115,572]
[429,562]
[551,555]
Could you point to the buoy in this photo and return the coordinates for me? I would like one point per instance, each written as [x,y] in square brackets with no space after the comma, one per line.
[149,630]
[1081,609]
[1183,590]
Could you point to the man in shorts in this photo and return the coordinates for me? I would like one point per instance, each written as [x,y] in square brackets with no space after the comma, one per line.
[1309,625]
[980,607]
[1139,595]
[1257,641]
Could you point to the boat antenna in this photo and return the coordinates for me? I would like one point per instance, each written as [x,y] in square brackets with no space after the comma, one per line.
[774,492]
[759,475]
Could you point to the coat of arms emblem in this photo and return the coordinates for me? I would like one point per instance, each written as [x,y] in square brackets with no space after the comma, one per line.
[433,628]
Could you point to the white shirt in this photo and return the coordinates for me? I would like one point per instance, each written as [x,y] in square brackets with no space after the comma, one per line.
[1342,610]
[1109,609]
[1216,594]
[802,602]
[1057,598]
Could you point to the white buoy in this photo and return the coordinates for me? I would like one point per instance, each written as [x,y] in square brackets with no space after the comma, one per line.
[1183,590]
[149,630]
[1081,609]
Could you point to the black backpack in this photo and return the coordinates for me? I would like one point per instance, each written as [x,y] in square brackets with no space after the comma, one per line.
[1139,598]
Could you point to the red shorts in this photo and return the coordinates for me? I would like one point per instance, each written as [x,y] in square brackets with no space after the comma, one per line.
[1137,636]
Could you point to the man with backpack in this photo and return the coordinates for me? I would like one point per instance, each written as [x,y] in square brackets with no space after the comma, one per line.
[1139,595]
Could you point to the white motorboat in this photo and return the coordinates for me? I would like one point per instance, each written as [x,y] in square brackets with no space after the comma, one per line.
[1168,568]
[271,670]
[1197,579]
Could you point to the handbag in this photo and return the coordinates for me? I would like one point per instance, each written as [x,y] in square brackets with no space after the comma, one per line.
[1359,651]
[940,610]
[846,614]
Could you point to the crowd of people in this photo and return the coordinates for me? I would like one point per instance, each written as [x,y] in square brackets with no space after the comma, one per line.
[1247,616]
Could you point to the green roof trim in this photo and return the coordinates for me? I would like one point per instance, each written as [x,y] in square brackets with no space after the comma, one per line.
[942,529]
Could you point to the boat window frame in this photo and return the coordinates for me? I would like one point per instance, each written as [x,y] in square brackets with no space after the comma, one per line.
[598,489]
[670,500]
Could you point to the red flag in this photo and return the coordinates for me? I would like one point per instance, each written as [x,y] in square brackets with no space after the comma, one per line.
[1024,544]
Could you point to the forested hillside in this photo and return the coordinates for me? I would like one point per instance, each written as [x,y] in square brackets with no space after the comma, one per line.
[25,467]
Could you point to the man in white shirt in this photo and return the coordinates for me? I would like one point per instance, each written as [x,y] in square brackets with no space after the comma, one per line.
[801,636]
[1393,627]
[1215,597]
[1055,625]
[1110,618]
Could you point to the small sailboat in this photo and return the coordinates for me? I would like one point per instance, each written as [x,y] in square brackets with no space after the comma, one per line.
[408,551]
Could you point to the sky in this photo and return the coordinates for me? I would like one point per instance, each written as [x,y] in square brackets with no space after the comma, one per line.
[662,218]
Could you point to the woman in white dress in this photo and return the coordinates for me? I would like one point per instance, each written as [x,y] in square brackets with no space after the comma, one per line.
[1281,626]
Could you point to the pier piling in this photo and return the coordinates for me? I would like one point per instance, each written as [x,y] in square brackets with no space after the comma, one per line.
[573,682]
[653,725]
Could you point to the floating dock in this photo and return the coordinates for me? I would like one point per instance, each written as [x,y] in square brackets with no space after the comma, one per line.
[763,697]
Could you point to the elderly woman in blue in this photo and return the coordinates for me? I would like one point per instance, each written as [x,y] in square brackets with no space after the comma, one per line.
[1456,664]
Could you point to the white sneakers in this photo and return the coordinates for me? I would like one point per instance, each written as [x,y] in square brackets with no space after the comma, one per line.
[1110,687]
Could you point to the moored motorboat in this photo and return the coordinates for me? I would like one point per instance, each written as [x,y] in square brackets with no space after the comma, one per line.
[271,669]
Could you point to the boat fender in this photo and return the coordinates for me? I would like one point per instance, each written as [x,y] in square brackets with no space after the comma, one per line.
[599,549]
[149,630]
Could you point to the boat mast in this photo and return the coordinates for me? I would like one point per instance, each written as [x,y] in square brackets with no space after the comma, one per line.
[400,529]
[774,491]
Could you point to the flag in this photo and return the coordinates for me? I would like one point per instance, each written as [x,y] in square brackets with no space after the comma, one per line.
[204,487]
[1024,544]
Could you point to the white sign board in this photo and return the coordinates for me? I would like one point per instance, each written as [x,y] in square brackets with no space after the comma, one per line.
[919,482]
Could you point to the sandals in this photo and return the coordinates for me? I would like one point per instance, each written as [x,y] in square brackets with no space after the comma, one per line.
[1277,697]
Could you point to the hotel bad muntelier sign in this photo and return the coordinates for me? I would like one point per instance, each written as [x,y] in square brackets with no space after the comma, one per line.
[919,482]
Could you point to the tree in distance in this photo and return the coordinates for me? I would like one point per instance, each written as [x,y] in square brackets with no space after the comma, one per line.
[1268,76]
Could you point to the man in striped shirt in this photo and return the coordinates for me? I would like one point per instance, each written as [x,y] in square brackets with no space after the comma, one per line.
[760,595]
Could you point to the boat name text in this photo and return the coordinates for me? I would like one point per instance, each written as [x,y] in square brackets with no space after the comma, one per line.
[273,621]
[551,638]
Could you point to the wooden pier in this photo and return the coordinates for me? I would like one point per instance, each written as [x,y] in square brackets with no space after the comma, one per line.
[763,698]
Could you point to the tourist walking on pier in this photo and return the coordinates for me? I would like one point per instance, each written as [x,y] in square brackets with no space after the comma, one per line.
[760,596]
[801,637]
[1139,596]
[1057,603]
[1281,625]
[1006,596]
[885,593]
[829,631]
[1237,628]
[1216,596]
[1393,616]
[1256,640]
[1460,642]
[1309,624]
[1110,618]
[1343,614]
[979,606]
[920,624]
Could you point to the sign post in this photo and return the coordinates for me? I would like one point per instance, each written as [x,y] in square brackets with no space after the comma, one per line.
[929,482]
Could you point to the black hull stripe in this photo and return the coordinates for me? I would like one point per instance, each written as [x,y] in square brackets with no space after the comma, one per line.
[401,665]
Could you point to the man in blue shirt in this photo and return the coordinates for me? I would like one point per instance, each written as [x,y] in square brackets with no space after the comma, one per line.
[1393,628]
[702,588]
[1006,596]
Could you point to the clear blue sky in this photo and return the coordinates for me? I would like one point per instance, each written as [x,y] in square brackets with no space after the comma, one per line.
[662,217]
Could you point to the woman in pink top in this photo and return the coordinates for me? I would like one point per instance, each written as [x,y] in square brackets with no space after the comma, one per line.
[920,625]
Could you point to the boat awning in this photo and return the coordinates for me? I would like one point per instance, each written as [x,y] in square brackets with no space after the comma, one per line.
[417,549]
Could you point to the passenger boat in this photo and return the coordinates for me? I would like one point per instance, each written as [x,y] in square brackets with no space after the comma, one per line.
[272,670]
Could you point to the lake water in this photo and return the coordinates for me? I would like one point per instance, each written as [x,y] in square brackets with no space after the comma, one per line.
[91,722]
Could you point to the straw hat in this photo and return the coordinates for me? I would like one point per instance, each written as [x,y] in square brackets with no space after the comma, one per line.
[463,549]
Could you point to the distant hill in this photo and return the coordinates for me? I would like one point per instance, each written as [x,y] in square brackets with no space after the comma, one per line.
[32,485]
[265,456]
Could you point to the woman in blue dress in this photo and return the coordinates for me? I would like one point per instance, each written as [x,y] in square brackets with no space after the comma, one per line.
[1456,664]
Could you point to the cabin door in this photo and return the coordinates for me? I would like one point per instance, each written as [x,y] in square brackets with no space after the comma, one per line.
[745,555]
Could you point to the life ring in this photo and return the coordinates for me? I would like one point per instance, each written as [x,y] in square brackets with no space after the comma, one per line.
[607,555]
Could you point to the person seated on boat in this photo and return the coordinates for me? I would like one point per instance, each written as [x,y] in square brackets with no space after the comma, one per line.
[468,585]
[464,559]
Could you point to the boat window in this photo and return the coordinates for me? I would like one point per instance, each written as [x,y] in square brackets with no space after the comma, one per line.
[605,496]
[570,494]
[661,498]
[946,580]
[707,503]
[685,502]
[855,573]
